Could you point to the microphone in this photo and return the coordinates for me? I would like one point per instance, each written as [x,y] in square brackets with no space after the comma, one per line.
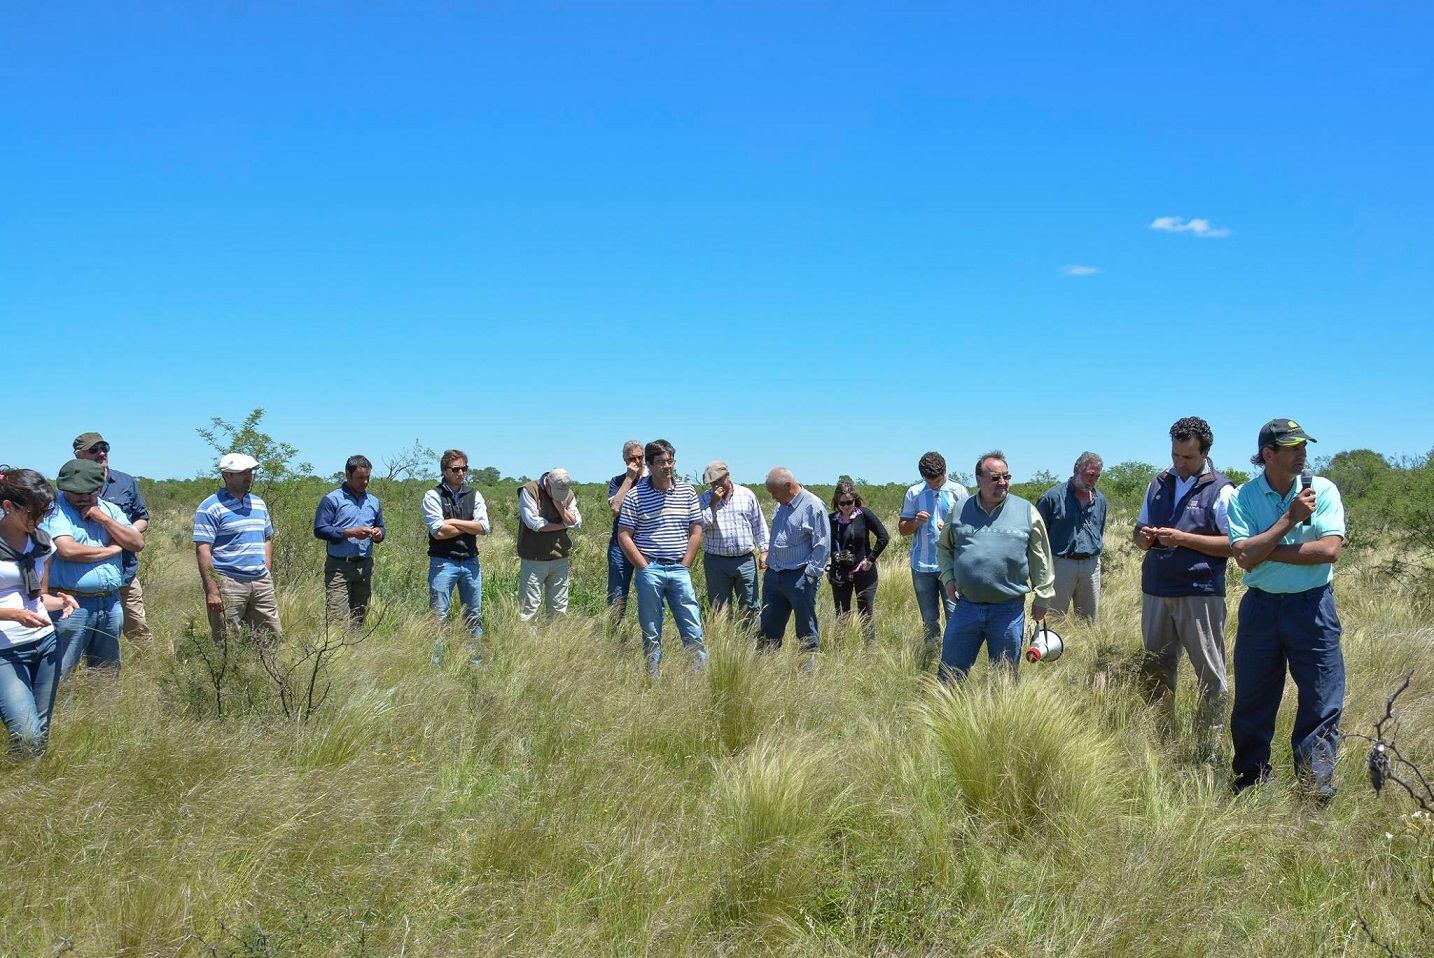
[1306,479]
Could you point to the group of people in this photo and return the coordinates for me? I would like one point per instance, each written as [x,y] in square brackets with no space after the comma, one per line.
[68,563]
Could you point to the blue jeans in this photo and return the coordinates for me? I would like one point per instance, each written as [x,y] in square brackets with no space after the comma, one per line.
[784,593]
[92,631]
[729,577]
[670,582]
[1299,631]
[1001,625]
[443,575]
[619,579]
[29,675]
[931,599]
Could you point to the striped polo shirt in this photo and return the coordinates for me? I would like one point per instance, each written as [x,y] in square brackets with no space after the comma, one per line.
[236,528]
[659,521]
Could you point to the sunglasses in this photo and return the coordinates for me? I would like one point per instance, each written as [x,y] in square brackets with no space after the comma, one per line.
[846,502]
[999,476]
[458,469]
[100,447]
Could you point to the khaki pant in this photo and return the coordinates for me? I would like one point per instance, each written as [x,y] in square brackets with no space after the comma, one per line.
[135,626]
[245,600]
[1078,580]
[1195,623]
[537,577]
[348,586]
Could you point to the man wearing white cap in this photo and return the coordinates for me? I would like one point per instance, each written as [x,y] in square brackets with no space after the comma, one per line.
[547,510]
[234,544]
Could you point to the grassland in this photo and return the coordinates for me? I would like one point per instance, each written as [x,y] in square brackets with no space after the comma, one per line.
[554,801]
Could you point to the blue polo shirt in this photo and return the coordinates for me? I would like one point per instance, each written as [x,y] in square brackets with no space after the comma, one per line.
[340,510]
[1073,528]
[103,576]
[1255,507]
[236,529]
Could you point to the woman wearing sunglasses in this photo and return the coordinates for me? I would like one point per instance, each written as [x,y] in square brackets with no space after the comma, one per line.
[853,563]
[29,652]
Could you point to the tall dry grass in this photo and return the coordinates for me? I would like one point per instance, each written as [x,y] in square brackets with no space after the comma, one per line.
[556,801]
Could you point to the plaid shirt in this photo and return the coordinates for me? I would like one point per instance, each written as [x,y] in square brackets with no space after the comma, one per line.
[736,527]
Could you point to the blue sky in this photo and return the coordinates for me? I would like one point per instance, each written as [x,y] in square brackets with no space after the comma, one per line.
[827,236]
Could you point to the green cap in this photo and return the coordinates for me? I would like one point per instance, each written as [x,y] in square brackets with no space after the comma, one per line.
[81,476]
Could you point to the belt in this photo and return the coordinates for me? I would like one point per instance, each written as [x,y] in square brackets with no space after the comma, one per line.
[350,558]
[731,555]
[83,595]
[1078,556]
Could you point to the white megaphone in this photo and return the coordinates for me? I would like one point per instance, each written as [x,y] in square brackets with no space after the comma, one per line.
[1046,645]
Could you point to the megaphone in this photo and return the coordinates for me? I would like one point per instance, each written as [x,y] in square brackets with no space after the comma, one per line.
[1046,645]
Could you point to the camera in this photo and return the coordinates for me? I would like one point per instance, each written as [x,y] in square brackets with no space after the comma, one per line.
[842,568]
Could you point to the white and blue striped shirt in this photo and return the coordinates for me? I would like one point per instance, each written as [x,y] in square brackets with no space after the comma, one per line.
[939,503]
[801,536]
[660,522]
[237,530]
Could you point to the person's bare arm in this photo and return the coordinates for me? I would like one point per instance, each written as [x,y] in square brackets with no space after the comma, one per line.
[694,540]
[71,551]
[629,548]
[269,554]
[204,555]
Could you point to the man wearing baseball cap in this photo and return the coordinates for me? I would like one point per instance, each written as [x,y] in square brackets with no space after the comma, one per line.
[234,545]
[121,489]
[1286,530]
[547,509]
[90,536]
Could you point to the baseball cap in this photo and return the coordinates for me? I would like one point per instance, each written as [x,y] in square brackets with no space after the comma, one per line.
[237,462]
[560,484]
[716,470]
[87,439]
[1283,432]
[80,476]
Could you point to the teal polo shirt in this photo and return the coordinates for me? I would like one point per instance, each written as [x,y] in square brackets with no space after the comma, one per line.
[1255,507]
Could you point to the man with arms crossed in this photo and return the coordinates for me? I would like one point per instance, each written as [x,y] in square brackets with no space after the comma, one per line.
[993,551]
[1287,528]
[456,516]
[90,536]
[1184,529]
[659,529]
[234,545]
[923,516]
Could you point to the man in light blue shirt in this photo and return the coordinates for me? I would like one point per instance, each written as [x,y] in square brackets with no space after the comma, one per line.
[924,513]
[1286,530]
[350,522]
[800,543]
[90,535]
[234,548]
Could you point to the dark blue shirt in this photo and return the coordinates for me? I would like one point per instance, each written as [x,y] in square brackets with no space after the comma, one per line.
[340,510]
[121,489]
[1074,529]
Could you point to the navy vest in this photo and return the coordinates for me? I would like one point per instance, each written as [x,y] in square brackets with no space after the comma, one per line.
[1181,571]
[461,547]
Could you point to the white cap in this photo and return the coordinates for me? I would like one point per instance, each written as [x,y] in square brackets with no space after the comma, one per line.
[237,462]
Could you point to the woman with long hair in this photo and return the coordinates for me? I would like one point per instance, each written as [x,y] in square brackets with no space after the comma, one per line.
[29,651]
[854,555]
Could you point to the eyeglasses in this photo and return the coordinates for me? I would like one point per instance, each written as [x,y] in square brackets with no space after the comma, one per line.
[100,448]
[999,476]
[846,502]
[665,461]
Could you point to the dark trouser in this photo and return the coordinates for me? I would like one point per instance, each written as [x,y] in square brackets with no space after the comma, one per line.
[864,585]
[348,586]
[730,577]
[619,579]
[1299,631]
[784,593]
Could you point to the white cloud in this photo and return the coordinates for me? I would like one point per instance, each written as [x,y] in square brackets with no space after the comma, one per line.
[1199,227]
[1074,270]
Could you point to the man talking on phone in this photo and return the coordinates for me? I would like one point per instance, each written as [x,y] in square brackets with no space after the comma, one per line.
[1286,530]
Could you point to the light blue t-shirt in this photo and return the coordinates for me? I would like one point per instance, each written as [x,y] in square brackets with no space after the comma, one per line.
[103,576]
[1255,507]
